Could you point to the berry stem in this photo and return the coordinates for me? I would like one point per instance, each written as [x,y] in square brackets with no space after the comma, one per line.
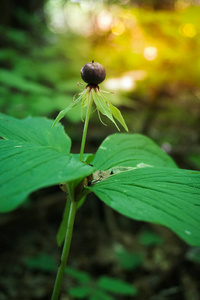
[87,118]
[66,248]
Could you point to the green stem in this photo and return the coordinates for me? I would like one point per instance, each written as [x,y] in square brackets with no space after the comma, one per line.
[87,118]
[66,247]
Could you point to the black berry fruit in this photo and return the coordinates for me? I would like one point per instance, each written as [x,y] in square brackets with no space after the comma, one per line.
[93,73]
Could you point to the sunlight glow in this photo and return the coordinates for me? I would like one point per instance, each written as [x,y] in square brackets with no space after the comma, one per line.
[87,5]
[124,83]
[150,53]
[104,20]
[189,30]
[127,83]
[118,28]
[77,20]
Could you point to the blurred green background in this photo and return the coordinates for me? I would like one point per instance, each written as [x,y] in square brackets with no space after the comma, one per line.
[151,52]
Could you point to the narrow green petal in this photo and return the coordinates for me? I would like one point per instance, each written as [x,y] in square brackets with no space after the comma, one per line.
[115,112]
[103,107]
[63,112]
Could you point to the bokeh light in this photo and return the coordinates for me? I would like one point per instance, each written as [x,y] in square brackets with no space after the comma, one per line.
[150,53]
[104,20]
[125,83]
[188,30]
[118,28]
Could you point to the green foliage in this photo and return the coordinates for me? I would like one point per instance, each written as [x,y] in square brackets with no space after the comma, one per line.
[14,80]
[87,287]
[128,260]
[80,292]
[154,190]
[41,262]
[149,238]
[130,150]
[158,195]
[107,109]
[116,286]
[32,76]
[34,155]
[142,181]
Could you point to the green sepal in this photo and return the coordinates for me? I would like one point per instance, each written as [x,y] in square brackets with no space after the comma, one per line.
[103,107]
[115,111]
[117,114]
[67,109]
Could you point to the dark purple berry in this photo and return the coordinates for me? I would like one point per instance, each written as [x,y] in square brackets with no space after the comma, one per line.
[93,73]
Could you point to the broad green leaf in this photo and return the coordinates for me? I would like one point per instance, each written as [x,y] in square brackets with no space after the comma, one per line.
[26,167]
[170,197]
[35,130]
[130,150]
[116,286]
[35,156]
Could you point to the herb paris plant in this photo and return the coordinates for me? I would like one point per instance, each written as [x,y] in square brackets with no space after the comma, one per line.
[129,172]
[93,73]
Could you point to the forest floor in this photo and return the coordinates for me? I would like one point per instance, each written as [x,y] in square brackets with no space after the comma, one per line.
[104,244]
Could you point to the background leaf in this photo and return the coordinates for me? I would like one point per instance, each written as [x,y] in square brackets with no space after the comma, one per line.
[129,150]
[36,156]
[116,286]
[80,292]
[170,197]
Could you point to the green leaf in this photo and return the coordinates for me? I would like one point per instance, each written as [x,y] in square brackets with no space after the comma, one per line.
[130,150]
[128,260]
[80,292]
[116,286]
[170,197]
[41,262]
[35,130]
[34,156]
[80,276]
[149,238]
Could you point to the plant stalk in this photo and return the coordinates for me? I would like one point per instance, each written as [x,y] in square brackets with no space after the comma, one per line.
[87,118]
[66,247]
